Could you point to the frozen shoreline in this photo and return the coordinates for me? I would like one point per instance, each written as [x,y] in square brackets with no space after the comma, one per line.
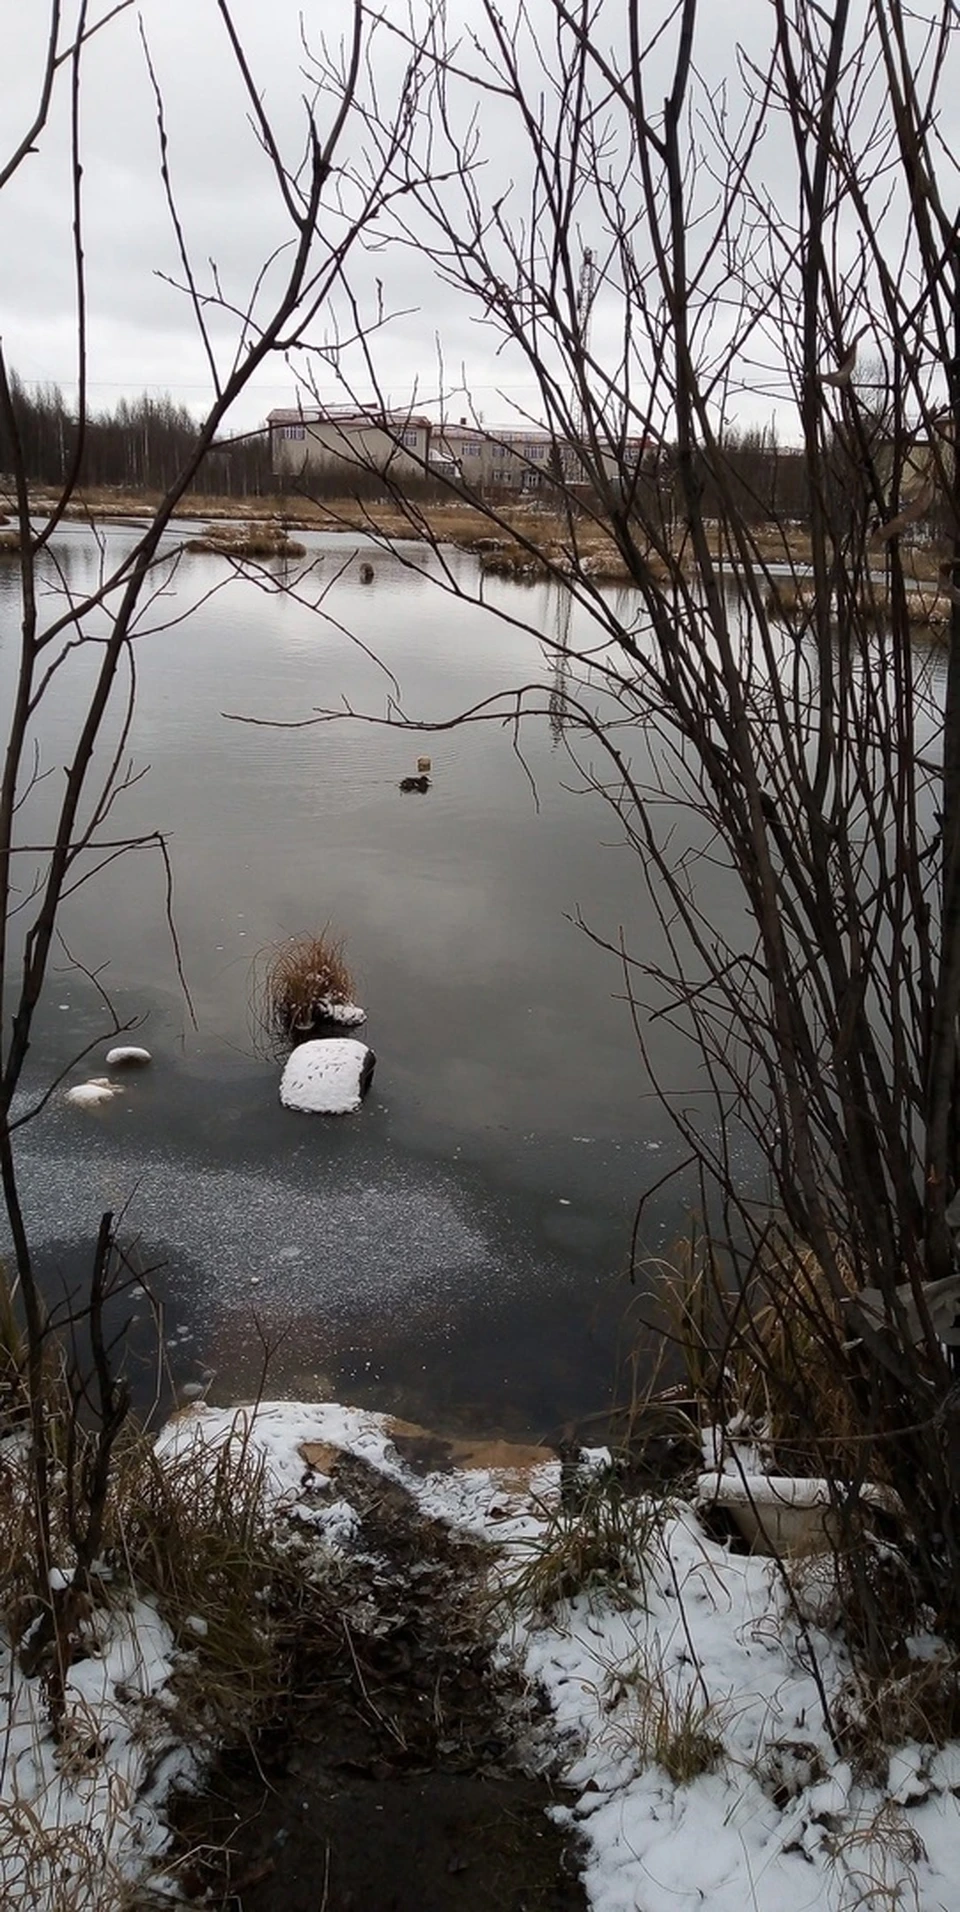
[778,1820]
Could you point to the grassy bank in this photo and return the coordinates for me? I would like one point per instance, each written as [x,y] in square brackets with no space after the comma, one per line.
[527,541]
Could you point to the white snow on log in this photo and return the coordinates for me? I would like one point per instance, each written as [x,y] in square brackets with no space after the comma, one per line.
[782,1514]
[87,1095]
[327,1078]
[128,1058]
[785,1490]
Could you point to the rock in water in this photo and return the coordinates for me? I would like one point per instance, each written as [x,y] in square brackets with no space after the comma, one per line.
[349,1015]
[88,1095]
[327,1077]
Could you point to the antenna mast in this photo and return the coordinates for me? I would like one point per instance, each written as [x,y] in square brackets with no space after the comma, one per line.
[586,287]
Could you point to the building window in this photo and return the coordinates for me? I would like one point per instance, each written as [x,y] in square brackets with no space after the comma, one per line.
[409,438]
[292,431]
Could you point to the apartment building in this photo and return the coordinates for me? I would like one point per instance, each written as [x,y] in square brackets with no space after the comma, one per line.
[345,442]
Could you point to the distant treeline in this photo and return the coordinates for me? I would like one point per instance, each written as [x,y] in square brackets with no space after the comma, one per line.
[767,481]
[139,446]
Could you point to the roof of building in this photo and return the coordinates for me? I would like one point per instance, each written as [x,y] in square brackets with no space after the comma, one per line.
[345,415]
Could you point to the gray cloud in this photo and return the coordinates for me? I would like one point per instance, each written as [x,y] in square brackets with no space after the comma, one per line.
[141,332]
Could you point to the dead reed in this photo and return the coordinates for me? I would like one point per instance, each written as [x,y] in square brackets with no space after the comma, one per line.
[296,985]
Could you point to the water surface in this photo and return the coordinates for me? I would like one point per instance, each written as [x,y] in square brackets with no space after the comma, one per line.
[458,1249]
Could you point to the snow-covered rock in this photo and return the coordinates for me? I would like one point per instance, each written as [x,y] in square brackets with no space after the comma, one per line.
[349,1015]
[88,1095]
[327,1077]
[128,1057]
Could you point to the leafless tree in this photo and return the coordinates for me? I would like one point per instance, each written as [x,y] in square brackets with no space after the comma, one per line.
[321,214]
[757,235]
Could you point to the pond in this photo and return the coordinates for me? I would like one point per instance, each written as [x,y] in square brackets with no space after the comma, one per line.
[458,1250]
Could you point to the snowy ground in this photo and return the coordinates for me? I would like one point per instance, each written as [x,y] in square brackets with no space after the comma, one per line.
[779,1824]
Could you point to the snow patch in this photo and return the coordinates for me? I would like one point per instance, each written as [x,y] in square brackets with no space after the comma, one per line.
[87,1810]
[778,1823]
[348,1014]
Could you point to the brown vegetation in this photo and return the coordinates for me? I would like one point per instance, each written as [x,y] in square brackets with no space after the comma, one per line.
[297,984]
[927,607]
[458,522]
[247,541]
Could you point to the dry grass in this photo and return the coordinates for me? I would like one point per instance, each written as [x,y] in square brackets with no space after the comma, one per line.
[456,521]
[65,1868]
[927,606]
[917,1702]
[874,1863]
[787,596]
[17,1541]
[296,984]
[671,1722]
[597,1540]
[197,1533]
[13,1357]
[769,1353]
[194,1532]
[247,541]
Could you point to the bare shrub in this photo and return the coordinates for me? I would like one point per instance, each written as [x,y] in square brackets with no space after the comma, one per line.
[811,756]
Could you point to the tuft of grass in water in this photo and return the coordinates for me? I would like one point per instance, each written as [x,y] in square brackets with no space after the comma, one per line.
[247,541]
[597,1540]
[296,982]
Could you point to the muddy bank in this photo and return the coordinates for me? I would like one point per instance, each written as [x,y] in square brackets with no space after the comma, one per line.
[404,1769]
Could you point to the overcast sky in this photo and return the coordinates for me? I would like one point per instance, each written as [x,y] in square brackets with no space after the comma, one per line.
[142,335]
